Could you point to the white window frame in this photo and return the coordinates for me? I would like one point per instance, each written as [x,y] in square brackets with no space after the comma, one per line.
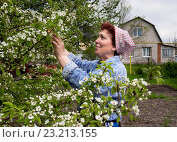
[136,31]
[167,53]
[147,49]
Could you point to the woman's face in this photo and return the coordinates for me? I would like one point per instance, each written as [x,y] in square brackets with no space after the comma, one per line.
[104,48]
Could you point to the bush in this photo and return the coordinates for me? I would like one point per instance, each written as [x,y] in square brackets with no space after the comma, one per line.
[169,70]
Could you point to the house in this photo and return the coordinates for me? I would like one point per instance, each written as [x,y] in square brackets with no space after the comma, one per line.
[149,46]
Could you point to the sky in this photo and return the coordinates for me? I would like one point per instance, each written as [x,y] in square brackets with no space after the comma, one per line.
[161,13]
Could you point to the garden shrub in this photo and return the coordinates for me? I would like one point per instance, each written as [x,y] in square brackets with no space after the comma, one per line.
[169,70]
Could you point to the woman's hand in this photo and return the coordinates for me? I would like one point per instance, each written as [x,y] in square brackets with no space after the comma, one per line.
[60,52]
[59,46]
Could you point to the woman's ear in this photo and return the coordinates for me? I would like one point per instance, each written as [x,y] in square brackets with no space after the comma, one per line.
[113,48]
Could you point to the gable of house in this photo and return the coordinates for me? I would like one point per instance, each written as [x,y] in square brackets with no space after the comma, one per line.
[148,43]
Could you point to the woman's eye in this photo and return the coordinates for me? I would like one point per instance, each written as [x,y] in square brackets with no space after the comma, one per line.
[102,37]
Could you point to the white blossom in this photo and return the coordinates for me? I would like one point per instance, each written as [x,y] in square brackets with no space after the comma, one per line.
[114,102]
[98,117]
[2,7]
[101,73]
[144,83]
[67,93]
[79,125]
[80,92]
[133,84]
[5,4]
[106,117]
[62,123]
[47,121]
[50,106]
[44,33]
[10,38]
[90,92]
[127,80]
[23,36]
[149,92]
[44,21]
[85,79]
[53,16]
[15,39]
[139,86]
[1,114]
[30,116]
[98,99]
[34,40]
[28,39]
[81,82]
[33,103]
[135,109]
[15,56]
[82,120]
[94,80]
[50,111]
[55,125]
[4,43]
[58,96]
[73,97]
[135,80]
[42,113]
[140,99]
[122,102]
[49,97]
[38,108]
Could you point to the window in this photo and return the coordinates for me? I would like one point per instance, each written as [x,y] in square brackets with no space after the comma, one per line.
[146,51]
[138,31]
[167,52]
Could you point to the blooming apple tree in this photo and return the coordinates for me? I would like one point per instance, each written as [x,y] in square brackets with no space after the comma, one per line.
[42,97]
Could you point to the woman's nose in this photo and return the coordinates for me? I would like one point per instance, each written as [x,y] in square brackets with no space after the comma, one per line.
[97,41]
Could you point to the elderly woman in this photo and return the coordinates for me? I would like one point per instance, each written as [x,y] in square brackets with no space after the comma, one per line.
[110,44]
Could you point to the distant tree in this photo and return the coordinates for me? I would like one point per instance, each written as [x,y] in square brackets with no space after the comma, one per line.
[175,41]
[113,11]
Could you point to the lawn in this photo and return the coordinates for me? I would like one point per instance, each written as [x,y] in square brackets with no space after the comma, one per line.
[137,73]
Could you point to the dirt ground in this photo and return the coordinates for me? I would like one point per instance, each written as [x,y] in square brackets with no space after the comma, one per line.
[159,112]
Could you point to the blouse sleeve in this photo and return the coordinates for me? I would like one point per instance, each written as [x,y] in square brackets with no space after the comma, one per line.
[73,74]
[83,64]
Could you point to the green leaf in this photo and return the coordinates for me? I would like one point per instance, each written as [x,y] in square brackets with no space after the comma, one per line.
[25,59]
[18,72]
[118,119]
[12,113]
[10,2]
[38,120]
[113,89]
[8,103]
[132,118]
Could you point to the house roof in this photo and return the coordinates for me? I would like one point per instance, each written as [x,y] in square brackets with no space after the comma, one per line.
[121,25]
[169,45]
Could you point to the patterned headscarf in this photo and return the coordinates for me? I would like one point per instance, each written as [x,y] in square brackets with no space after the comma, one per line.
[124,43]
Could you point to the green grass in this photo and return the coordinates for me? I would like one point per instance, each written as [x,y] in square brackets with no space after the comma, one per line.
[172,82]
[137,73]
[155,96]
